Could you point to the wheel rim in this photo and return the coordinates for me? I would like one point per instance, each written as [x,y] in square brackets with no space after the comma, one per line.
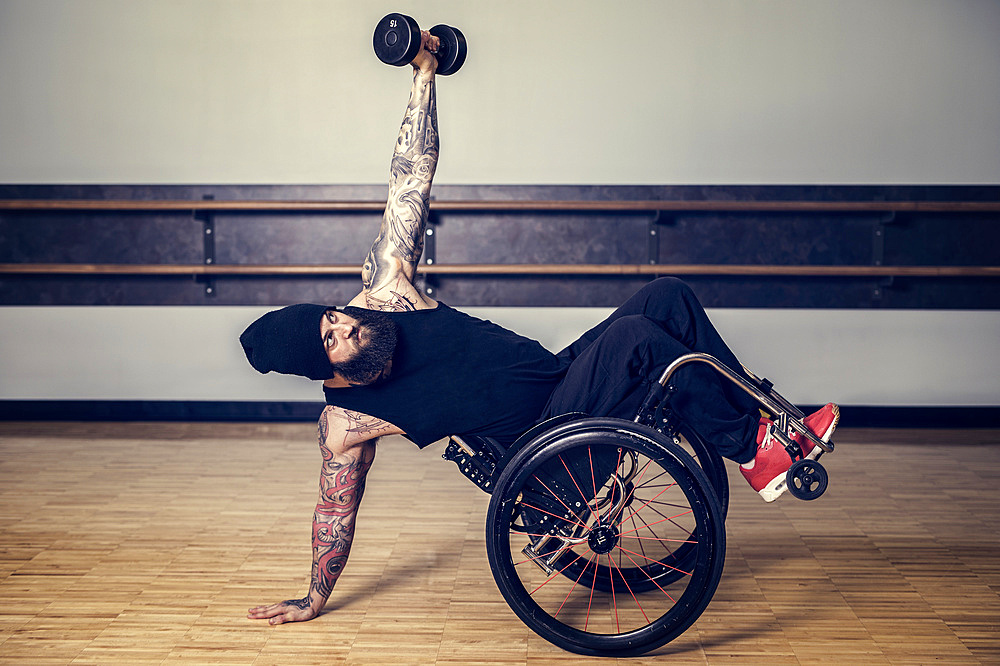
[620,552]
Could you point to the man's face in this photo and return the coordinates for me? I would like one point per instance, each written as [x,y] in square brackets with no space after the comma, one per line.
[359,344]
[341,335]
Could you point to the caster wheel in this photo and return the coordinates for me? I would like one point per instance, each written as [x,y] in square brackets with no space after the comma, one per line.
[807,479]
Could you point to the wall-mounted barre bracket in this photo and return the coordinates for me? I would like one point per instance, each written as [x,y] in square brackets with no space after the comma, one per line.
[430,239]
[880,288]
[653,238]
[878,237]
[878,252]
[207,218]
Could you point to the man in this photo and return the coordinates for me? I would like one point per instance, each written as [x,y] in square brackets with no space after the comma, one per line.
[397,362]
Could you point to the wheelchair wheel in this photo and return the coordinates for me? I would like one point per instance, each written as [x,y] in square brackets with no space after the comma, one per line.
[604,538]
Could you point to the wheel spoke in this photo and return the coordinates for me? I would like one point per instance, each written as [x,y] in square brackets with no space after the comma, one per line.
[662,515]
[593,479]
[582,496]
[686,573]
[575,582]
[637,529]
[629,588]
[660,521]
[653,538]
[653,581]
[590,602]
[646,503]
[557,573]
[614,597]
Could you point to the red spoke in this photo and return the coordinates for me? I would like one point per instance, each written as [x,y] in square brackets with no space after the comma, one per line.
[636,536]
[617,465]
[582,496]
[670,505]
[582,571]
[557,573]
[646,503]
[662,515]
[654,583]
[590,603]
[659,521]
[637,529]
[593,479]
[673,504]
[614,597]
[648,484]
[626,550]
[627,587]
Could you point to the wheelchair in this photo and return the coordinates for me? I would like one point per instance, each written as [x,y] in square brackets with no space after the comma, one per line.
[607,537]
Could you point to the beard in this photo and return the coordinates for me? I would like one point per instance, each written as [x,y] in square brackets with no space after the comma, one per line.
[379,334]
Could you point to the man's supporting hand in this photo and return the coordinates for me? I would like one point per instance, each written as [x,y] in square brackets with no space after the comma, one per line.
[293,610]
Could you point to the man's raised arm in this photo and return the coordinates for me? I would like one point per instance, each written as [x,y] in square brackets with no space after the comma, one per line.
[389,270]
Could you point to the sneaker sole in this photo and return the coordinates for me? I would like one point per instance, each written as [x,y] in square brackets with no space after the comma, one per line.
[775,489]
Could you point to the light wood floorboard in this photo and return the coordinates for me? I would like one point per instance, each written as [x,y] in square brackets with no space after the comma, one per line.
[146,543]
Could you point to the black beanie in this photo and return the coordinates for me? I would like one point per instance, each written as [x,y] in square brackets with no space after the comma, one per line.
[288,341]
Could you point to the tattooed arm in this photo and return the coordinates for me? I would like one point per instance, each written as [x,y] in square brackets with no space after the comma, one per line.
[390,268]
[347,443]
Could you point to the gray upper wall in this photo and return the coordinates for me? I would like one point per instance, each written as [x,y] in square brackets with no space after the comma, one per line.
[559,92]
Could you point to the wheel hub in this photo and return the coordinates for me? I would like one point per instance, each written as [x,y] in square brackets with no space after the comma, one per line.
[603,539]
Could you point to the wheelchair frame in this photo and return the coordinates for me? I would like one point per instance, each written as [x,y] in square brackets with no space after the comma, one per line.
[559,537]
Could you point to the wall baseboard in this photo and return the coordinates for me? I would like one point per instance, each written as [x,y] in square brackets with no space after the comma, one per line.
[852,416]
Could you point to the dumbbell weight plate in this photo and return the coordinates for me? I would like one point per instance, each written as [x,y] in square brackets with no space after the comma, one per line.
[396,39]
[451,55]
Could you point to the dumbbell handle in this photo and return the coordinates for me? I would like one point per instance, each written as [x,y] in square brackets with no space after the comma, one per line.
[397,41]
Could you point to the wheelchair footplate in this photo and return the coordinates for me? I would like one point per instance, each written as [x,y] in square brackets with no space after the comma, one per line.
[806,479]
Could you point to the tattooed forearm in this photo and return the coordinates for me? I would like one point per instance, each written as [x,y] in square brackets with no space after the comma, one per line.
[406,222]
[341,491]
[400,240]
[342,485]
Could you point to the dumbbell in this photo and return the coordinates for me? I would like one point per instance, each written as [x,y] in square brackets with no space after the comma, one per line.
[397,42]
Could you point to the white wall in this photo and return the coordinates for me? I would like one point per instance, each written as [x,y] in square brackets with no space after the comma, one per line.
[558,91]
[883,357]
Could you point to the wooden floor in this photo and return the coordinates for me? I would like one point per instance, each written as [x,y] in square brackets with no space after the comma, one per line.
[146,543]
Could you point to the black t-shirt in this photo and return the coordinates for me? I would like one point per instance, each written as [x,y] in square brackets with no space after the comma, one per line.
[455,374]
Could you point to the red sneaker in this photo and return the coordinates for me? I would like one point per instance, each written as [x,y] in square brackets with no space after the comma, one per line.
[821,423]
[766,472]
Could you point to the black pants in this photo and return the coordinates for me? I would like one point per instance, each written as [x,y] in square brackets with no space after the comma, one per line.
[612,366]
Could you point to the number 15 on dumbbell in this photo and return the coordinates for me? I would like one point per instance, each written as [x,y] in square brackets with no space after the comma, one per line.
[397,42]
